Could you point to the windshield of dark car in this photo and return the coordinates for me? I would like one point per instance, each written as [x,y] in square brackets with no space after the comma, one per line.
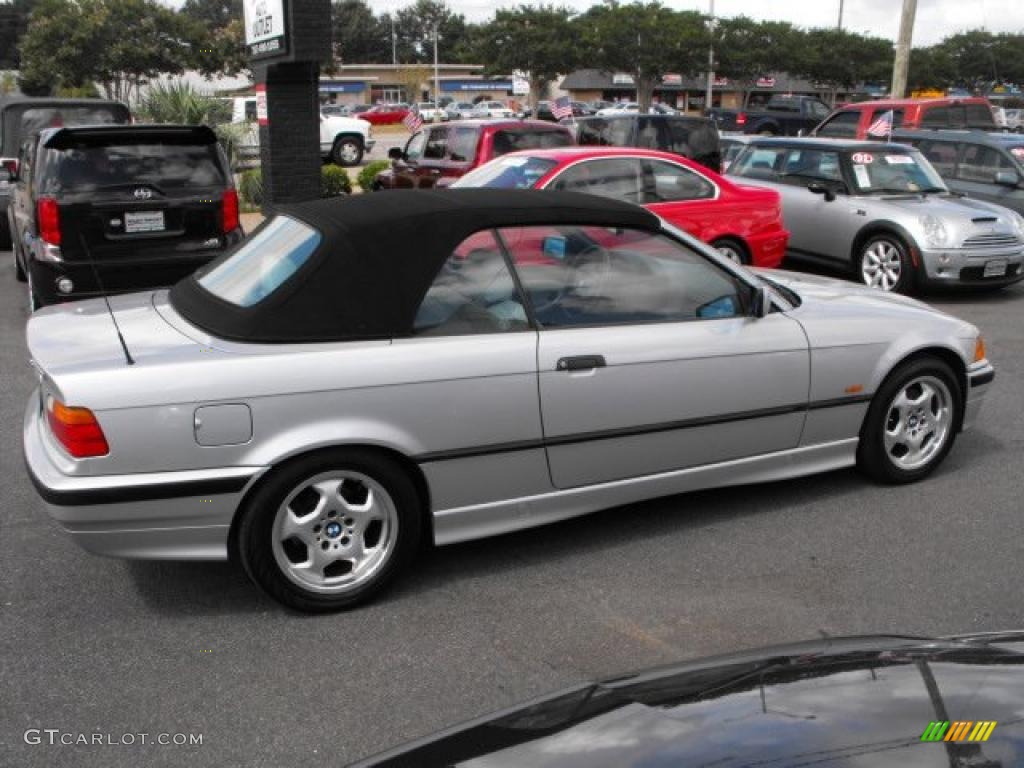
[163,166]
[893,172]
[263,262]
[508,173]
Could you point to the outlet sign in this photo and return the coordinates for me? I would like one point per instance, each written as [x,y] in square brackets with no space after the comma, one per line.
[265,28]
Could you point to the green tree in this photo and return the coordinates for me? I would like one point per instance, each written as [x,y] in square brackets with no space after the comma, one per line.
[215,31]
[359,36]
[842,60]
[746,49]
[930,68]
[541,41]
[14,16]
[645,39]
[414,28]
[117,44]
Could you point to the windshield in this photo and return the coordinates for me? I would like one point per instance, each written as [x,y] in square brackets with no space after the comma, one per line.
[263,262]
[893,172]
[508,173]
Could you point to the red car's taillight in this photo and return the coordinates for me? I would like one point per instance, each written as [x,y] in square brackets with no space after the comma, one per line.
[76,429]
[229,211]
[741,118]
[48,220]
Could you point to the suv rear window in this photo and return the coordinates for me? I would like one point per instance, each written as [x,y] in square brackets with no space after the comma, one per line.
[161,166]
[512,140]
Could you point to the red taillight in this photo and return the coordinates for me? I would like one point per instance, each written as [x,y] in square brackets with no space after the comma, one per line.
[76,429]
[229,212]
[11,164]
[741,118]
[48,220]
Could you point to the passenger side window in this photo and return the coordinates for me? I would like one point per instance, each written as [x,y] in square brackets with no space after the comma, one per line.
[473,293]
[584,276]
[666,182]
[804,165]
[842,125]
[759,163]
[981,163]
[619,179]
[437,144]
[464,143]
[414,149]
[936,117]
[941,154]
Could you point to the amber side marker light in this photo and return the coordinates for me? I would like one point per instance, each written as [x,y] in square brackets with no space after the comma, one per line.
[979,349]
[76,429]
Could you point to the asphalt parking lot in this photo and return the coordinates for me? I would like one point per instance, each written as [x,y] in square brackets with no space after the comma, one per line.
[90,645]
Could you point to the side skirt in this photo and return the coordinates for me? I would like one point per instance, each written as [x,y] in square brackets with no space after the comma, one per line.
[482,520]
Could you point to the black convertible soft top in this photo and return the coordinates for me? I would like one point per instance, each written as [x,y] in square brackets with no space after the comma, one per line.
[378,256]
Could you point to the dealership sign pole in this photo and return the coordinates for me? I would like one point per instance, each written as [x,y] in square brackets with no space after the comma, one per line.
[286,41]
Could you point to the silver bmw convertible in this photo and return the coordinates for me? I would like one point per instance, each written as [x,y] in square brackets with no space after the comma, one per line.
[360,376]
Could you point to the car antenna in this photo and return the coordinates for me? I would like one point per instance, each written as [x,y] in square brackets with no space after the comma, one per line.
[106,299]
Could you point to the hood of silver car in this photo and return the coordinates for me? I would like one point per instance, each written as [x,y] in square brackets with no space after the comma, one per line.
[963,212]
[833,288]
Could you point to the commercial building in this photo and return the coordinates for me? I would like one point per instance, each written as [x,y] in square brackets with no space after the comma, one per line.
[389,83]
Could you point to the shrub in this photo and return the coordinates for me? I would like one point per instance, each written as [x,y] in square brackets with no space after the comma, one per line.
[334,181]
[250,187]
[369,173]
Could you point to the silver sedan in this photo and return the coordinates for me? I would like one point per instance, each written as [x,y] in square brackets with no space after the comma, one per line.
[361,375]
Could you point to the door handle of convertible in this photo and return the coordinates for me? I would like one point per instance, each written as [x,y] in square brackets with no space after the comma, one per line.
[581,363]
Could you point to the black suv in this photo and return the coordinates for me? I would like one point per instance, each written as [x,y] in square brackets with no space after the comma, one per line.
[980,164]
[695,138]
[21,116]
[110,209]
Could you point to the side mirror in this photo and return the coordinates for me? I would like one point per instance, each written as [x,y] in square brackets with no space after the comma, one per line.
[761,302]
[820,188]
[395,153]
[1007,179]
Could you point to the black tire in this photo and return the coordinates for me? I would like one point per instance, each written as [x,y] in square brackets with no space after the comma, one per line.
[873,458]
[882,246]
[347,151]
[256,527]
[734,246]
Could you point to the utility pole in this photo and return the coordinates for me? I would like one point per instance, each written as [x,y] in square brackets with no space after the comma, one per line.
[840,24]
[437,79]
[901,63]
[711,56]
[394,44]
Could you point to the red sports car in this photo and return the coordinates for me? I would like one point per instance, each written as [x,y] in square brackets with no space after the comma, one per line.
[385,114]
[743,223]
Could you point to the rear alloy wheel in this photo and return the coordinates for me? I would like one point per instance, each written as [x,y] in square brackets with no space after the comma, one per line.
[732,250]
[329,531]
[885,264]
[912,422]
[347,152]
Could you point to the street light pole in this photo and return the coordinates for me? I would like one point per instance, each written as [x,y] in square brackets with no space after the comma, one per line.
[437,79]
[840,24]
[901,62]
[394,44]
[711,56]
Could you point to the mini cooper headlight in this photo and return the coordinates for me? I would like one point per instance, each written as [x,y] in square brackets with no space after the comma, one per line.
[935,234]
[1018,223]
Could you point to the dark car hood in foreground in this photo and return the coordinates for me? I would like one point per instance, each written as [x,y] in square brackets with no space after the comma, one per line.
[841,702]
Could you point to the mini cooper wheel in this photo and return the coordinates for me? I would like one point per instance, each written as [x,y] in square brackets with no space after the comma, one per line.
[330,531]
[884,263]
[347,152]
[912,422]
[732,250]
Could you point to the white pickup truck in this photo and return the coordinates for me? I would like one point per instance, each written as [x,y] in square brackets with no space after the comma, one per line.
[343,140]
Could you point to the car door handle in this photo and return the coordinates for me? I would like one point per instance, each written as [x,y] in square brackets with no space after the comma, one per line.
[581,363]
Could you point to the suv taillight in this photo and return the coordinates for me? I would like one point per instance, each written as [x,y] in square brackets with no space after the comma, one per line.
[741,118]
[229,212]
[76,429]
[48,220]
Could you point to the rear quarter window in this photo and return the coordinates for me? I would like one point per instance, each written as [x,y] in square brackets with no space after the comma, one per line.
[505,141]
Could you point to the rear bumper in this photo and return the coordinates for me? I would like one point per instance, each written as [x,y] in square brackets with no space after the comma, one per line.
[768,249]
[155,516]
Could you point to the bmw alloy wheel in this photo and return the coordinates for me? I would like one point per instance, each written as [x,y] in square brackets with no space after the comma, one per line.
[881,265]
[918,422]
[730,251]
[334,531]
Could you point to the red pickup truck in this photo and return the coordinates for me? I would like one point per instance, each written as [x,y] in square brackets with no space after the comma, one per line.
[452,149]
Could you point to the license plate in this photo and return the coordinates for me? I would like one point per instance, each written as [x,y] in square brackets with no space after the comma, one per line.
[994,268]
[144,221]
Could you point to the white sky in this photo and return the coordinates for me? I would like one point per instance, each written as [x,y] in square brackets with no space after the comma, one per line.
[935,18]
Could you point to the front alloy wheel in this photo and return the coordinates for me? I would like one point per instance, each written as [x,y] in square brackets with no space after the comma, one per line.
[347,152]
[912,422]
[329,530]
[884,264]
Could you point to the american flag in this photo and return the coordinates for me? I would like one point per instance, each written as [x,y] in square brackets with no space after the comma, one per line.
[413,120]
[561,108]
[882,126]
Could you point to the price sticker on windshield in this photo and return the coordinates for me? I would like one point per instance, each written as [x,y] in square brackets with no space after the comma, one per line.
[1018,152]
[863,158]
[899,159]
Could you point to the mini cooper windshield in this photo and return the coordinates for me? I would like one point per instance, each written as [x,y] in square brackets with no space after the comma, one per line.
[263,263]
[894,172]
